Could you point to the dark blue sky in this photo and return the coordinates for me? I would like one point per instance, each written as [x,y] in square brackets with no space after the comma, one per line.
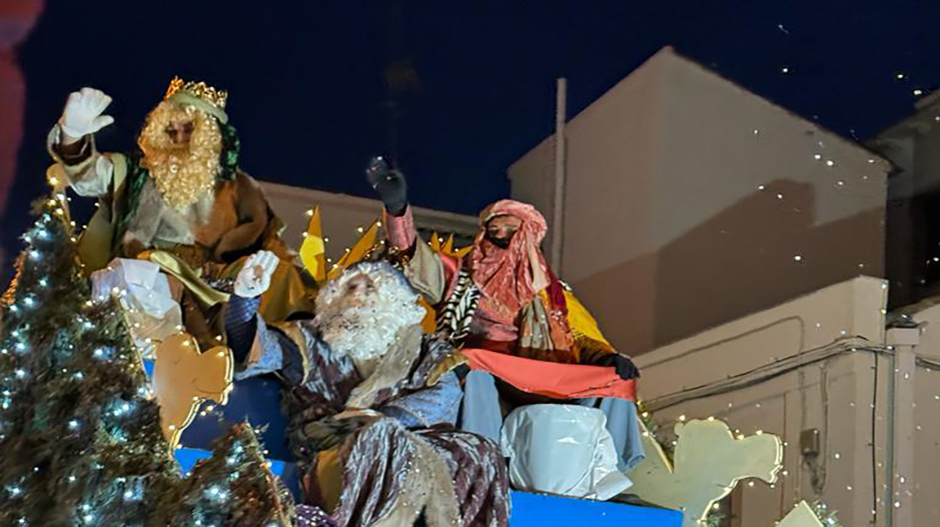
[307,79]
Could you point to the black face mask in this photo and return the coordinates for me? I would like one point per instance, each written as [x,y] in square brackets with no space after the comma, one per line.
[502,243]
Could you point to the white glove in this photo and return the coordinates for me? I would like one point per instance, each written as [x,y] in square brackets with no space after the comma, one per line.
[82,113]
[255,277]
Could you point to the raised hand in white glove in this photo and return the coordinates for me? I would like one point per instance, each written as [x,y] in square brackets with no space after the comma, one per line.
[83,114]
[255,277]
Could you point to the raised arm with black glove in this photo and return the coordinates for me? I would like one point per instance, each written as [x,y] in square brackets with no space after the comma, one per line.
[390,184]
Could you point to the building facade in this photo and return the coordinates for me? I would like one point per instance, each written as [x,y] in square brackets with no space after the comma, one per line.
[689,202]
[913,210]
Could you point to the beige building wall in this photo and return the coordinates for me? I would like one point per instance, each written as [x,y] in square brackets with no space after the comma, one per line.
[690,202]
[343,215]
[818,362]
[919,429]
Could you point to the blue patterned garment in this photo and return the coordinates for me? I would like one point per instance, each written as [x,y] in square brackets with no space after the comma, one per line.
[240,326]
[435,405]
[245,329]
[438,404]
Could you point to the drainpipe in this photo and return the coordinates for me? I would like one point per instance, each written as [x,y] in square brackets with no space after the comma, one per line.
[899,463]
[558,205]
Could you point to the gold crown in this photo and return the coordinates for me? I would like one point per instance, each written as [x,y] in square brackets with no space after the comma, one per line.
[203,91]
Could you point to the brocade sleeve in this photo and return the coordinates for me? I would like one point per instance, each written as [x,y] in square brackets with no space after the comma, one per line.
[438,404]
[401,229]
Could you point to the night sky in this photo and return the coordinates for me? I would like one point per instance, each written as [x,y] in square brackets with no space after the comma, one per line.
[308,91]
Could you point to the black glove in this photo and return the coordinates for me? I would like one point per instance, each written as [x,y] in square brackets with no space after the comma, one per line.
[390,184]
[626,370]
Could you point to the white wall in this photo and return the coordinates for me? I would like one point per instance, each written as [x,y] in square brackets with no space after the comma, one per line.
[922,438]
[834,396]
[666,232]
[610,158]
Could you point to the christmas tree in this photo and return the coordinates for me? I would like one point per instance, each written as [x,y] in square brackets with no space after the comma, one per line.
[233,487]
[80,436]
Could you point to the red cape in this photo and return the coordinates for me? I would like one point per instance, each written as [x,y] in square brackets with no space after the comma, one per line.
[552,379]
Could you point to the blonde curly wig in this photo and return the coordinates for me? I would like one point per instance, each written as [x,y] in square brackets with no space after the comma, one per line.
[183,173]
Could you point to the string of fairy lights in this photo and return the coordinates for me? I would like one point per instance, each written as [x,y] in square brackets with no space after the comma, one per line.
[115,414]
[39,240]
[121,408]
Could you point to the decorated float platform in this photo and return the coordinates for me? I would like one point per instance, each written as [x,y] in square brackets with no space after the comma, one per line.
[257,400]
[123,426]
[528,509]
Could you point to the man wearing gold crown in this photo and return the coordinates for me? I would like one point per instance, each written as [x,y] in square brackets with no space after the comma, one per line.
[503,297]
[181,202]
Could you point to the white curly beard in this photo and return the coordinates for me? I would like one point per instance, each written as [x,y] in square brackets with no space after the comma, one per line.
[367,329]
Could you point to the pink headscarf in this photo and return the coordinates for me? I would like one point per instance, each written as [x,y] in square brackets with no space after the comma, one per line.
[510,278]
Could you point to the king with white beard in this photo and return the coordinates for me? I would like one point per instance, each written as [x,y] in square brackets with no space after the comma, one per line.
[371,419]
